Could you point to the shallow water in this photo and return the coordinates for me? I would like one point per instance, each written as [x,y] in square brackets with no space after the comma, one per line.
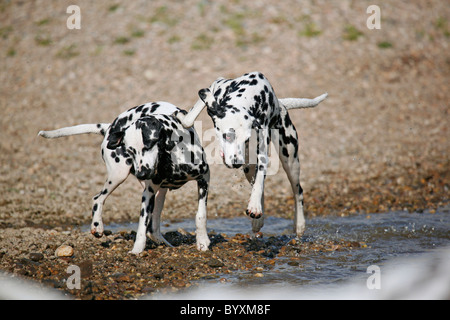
[387,236]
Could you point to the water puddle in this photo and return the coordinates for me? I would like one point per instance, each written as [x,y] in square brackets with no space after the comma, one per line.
[386,236]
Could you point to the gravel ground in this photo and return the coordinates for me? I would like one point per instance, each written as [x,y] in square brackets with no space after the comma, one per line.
[379,142]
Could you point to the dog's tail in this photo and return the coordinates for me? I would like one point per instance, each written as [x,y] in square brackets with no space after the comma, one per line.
[295,103]
[99,128]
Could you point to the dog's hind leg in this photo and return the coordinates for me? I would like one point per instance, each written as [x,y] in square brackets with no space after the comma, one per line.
[117,173]
[153,228]
[147,207]
[288,153]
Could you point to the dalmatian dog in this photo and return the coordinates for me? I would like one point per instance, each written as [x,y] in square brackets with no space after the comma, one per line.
[149,142]
[246,109]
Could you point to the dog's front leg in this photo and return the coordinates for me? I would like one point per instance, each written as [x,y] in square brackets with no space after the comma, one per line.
[255,206]
[250,174]
[148,204]
[200,219]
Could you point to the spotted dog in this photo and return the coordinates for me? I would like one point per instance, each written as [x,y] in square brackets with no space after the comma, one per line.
[245,108]
[149,142]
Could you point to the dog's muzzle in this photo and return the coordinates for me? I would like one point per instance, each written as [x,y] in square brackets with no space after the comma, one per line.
[235,163]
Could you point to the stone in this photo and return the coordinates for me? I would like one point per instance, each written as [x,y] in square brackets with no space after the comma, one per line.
[64,251]
[36,256]
[215,263]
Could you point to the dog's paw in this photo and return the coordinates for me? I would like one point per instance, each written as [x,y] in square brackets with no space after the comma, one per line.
[97,229]
[137,249]
[202,246]
[136,253]
[139,244]
[254,215]
[254,212]
[203,243]
[299,230]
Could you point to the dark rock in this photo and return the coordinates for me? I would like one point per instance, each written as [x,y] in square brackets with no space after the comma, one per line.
[158,276]
[86,268]
[215,263]
[106,244]
[36,256]
[120,276]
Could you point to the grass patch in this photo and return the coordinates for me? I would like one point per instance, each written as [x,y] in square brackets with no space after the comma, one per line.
[257,38]
[114,7]
[162,15]
[5,31]
[351,33]
[174,39]
[310,30]
[11,52]
[129,52]
[68,52]
[137,33]
[280,19]
[202,42]
[43,22]
[43,41]
[121,40]
[441,24]
[384,45]
[236,23]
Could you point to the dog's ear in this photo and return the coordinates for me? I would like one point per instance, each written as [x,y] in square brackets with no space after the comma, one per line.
[151,130]
[115,139]
[166,139]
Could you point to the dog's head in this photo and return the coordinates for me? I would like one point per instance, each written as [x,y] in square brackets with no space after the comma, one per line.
[142,140]
[233,128]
